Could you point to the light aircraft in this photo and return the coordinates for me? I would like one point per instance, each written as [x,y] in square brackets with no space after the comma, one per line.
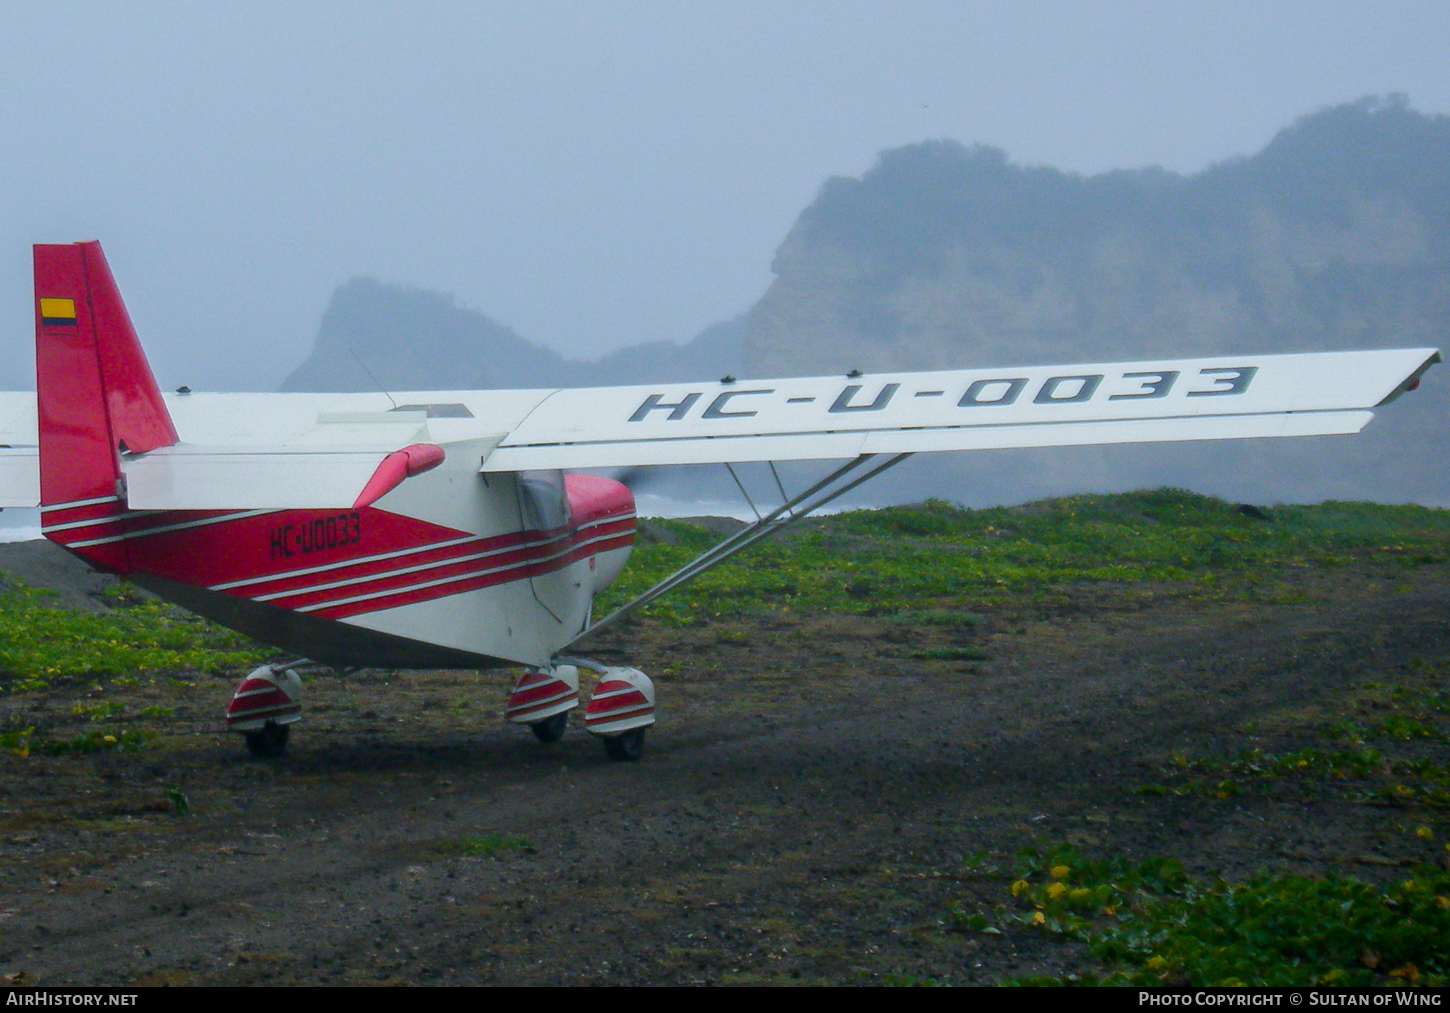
[446,530]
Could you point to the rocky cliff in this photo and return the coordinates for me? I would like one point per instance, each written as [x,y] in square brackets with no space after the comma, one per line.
[1335,235]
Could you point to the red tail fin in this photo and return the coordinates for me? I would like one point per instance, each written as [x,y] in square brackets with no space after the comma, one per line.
[95,389]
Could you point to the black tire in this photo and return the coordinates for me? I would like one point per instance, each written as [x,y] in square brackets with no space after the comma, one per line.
[269,743]
[626,746]
[551,729]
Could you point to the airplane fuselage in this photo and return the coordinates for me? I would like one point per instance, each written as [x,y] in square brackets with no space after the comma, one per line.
[451,569]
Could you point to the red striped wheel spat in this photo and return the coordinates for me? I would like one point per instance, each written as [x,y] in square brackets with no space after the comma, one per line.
[624,698]
[265,695]
[542,693]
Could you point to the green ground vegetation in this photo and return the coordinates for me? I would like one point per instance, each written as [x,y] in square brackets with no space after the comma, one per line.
[1151,924]
[1147,922]
[483,845]
[41,645]
[1389,749]
[930,564]
[940,559]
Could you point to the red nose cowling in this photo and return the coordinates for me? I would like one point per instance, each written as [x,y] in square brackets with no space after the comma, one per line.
[593,498]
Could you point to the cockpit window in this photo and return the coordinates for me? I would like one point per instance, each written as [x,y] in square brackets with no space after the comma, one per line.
[543,500]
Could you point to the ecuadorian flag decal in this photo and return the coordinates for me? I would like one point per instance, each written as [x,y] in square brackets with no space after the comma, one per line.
[58,312]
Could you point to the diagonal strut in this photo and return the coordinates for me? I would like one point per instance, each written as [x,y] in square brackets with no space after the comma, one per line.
[827,489]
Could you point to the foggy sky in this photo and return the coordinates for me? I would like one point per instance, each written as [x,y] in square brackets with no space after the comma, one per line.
[593,175]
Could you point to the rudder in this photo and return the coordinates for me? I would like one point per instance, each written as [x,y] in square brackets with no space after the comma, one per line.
[96,395]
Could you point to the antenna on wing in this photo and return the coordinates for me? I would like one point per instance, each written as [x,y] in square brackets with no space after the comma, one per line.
[374,379]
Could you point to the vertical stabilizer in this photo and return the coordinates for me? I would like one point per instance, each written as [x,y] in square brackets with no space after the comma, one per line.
[95,392]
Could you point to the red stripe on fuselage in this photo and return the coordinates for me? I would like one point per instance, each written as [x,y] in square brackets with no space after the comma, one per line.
[308,577]
[406,571]
[413,594]
[490,551]
[253,554]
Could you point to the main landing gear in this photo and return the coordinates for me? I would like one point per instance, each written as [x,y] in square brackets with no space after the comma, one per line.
[619,711]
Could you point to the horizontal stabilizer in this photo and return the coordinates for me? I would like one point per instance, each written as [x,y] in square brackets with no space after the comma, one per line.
[262,478]
[184,478]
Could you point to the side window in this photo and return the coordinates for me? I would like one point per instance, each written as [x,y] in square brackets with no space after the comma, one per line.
[542,499]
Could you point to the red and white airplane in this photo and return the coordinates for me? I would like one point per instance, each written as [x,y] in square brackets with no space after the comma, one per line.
[444,530]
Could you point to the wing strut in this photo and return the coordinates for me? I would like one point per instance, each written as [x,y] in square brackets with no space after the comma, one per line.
[827,489]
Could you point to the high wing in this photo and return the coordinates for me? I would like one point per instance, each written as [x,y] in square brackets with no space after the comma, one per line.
[316,451]
[892,413]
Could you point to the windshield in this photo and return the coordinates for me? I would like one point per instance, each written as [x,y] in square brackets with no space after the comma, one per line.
[542,499]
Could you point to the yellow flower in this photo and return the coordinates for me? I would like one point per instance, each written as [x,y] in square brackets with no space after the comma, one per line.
[109,740]
[1038,918]
[1058,871]
[1018,887]
[1081,893]
[1425,833]
[1056,890]
[1442,902]
[1156,963]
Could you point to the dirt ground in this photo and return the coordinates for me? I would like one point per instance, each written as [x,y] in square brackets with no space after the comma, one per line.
[806,810]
